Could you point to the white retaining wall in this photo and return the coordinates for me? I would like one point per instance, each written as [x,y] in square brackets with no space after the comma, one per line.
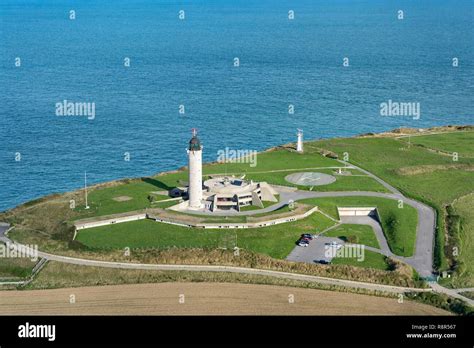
[356,211]
[115,220]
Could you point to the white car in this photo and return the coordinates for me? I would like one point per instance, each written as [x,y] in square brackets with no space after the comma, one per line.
[303,244]
[334,244]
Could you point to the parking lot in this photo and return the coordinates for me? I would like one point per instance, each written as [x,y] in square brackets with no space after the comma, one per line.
[314,252]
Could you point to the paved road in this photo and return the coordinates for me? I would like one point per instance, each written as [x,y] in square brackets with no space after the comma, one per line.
[450,292]
[4,228]
[464,290]
[314,252]
[231,269]
[422,260]
[211,268]
[368,220]
[379,180]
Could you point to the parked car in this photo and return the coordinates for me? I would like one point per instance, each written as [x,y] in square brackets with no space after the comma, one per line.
[303,243]
[323,262]
[307,236]
[334,244]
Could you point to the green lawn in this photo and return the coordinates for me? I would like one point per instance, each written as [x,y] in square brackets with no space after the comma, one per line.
[164,205]
[383,156]
[274,160]
[276,241]
[464,277]
[399,225]
[371,260]
[460,142]
[102,202]
[15,268]
[436,184]
[363,234]
[254,207]
[273,166]
[249,207]
[342,183]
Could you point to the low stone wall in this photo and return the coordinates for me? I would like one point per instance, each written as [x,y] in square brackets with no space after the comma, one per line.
[114,220]
[81,225]
[223,225]
[356,211]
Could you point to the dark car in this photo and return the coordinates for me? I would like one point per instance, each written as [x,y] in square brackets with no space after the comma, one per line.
[323,262]
[307,236]
[302,243]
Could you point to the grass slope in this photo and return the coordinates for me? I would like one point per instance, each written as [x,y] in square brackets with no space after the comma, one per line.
[416,171]
[460,142]
[102,201]
[363,234]
[15,268]
[272,167]
[399,225]
[276,241]
[464,276]
[371,260]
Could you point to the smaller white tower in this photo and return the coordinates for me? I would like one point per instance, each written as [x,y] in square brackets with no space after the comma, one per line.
[299,144]
[195,172]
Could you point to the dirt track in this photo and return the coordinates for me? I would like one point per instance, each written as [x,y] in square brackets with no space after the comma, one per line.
[204,299]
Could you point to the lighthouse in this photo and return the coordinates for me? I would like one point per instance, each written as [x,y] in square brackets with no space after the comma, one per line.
[299,144]
[195,172]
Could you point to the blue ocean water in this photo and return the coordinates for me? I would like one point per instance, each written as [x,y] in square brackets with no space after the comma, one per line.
[190,62]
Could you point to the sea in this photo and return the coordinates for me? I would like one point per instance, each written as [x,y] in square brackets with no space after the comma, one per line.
[245,73]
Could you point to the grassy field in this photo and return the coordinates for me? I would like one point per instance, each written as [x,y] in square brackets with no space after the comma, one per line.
[371,260]
[386,156]
[464,277]
[399,225]
[273,160]
[342,183]
[460,142]
[121,198]
[419,173]
[276,241]
[15,268]
[272,167]
[357,234]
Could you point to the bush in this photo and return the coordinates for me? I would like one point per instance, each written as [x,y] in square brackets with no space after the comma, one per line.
[352,239]
[453,227]
[442,301]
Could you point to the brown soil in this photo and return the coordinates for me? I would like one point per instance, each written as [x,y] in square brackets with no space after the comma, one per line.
[122,198]
[203,299]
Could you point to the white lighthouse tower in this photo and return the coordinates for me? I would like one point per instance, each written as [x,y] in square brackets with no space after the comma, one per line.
[195,172]
[299,144]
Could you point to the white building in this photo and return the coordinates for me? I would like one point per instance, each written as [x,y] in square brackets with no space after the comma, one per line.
[220,192]
[230,193]
[195,172]
[299,144]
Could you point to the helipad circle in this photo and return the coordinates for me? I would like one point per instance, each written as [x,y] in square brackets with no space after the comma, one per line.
[310,179]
